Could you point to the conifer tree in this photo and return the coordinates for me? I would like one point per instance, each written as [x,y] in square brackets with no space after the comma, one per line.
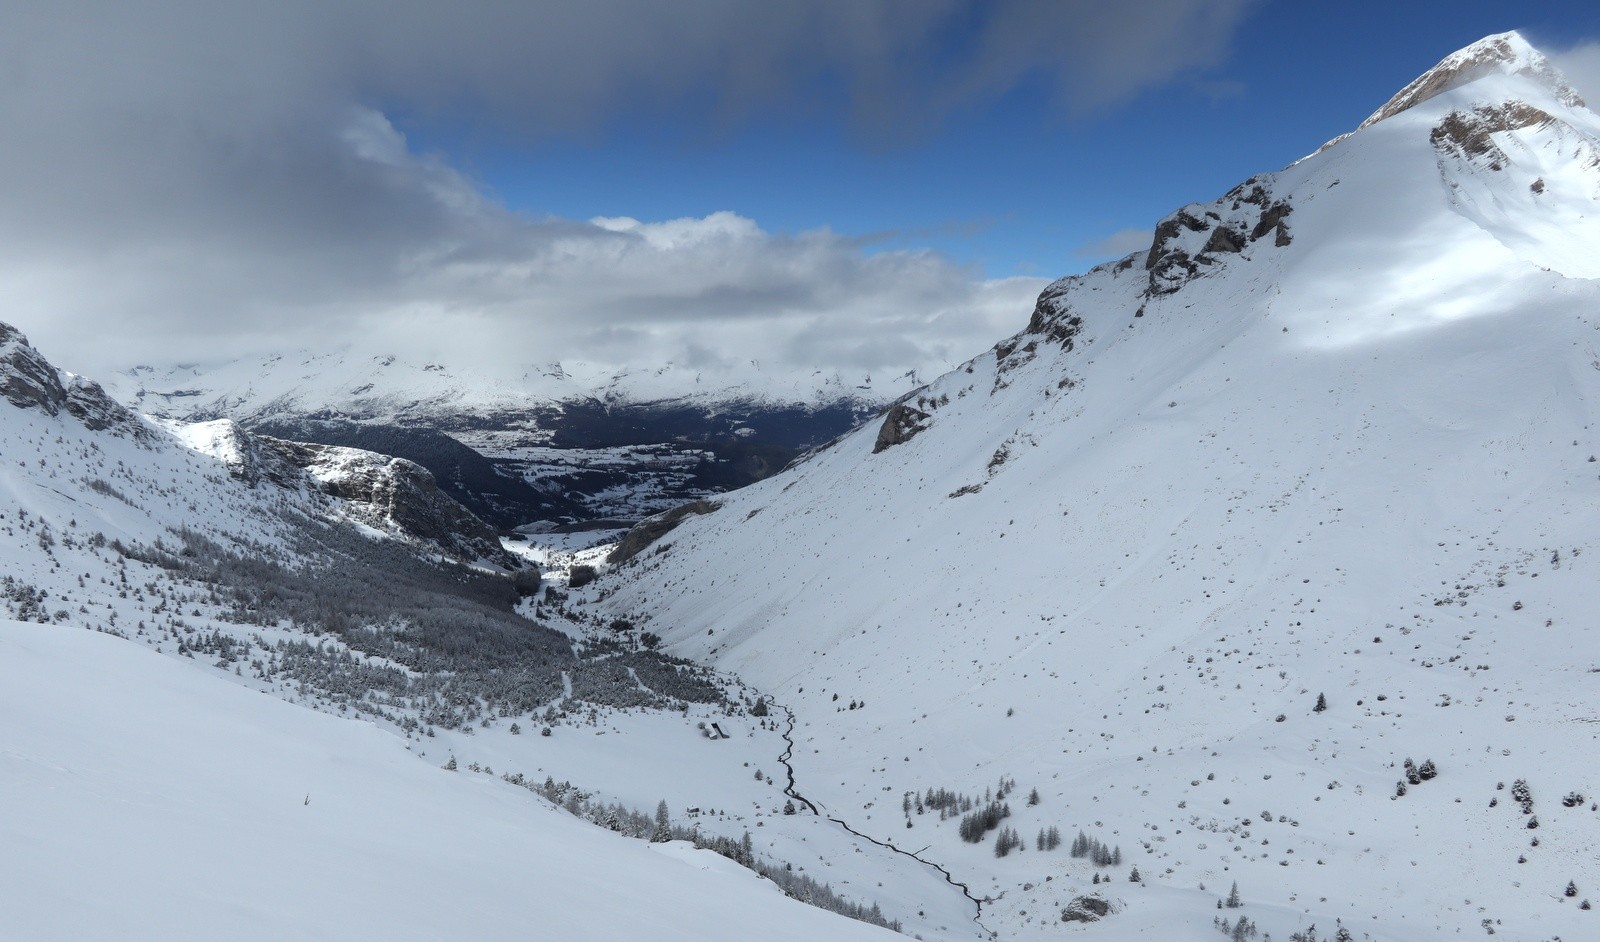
[663,828]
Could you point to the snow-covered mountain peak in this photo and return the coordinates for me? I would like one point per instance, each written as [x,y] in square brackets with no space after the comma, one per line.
[1500,54]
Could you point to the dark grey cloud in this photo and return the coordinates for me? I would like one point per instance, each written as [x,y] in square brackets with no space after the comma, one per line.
[194,179]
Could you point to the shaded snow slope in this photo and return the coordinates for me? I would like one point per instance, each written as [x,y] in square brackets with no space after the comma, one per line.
[1334,434]
[147,800]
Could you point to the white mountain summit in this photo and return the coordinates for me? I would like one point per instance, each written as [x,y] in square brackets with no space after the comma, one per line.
[1329,442]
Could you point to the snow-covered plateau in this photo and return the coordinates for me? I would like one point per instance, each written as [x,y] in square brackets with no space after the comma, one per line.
[1248,591]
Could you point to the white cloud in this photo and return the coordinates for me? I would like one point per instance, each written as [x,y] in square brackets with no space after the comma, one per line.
[1117,244]
[466,278]
[187,180]
[1581,65]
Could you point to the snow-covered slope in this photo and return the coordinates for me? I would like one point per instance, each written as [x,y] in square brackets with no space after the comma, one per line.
[1333,437]
[147,800]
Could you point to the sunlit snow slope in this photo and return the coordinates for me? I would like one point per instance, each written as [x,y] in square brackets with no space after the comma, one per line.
[1334,434]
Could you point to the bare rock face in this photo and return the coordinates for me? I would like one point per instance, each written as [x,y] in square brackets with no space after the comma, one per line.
[1086,909]
[1053,317]
[651,529]
[901,423]
[247,456]
[1468,134]
[392,494]
[389,494]
[29,381]
[1191,240]
[89,404]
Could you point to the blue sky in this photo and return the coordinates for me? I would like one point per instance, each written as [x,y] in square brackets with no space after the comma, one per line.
[1017,185]
[826,187]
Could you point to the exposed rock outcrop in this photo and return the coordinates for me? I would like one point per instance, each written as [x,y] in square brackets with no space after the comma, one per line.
[1468,134]
[395,494]
[651,529]
[386,493]
[1086,909]
[1196,237]
[1053,317]
[29,381]
[901,423]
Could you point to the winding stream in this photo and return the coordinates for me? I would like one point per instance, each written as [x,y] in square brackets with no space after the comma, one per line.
[790,790]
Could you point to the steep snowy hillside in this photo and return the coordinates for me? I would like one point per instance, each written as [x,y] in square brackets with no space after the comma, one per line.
[562,443]
[1265,558]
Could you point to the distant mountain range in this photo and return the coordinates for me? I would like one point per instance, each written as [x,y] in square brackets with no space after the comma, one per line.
[557,446]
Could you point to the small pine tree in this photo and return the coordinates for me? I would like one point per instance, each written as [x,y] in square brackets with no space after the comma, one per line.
[1033,797]
[1322,704]
[451,765]
[663,828]
[1080,845]
[1233,897]
[1006,841]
